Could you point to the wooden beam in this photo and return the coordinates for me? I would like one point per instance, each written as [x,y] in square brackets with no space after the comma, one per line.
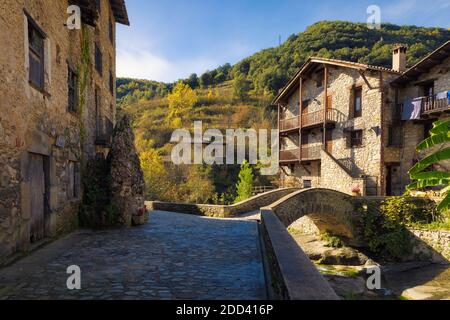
[325,103]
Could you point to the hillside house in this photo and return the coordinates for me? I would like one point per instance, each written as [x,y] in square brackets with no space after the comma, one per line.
[341,127]
[57,110]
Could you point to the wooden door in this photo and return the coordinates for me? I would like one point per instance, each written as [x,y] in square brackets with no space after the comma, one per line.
[329,141]
[37,197]
[329,103]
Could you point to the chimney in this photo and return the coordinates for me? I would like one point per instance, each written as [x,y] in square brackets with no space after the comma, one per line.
[399,58]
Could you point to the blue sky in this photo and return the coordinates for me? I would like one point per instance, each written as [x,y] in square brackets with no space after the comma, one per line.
[170,39]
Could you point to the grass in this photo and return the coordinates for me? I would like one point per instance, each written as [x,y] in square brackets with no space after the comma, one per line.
[438,225]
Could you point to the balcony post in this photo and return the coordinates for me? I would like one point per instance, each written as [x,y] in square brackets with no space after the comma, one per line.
[325,102]
[300,119]
[279,131]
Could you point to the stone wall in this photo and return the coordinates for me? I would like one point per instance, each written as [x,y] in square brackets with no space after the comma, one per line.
[431,245]
[37,122]
[337,178]
[220,211]
[292,275]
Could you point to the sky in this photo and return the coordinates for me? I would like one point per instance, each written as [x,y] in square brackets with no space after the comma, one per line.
[171,39]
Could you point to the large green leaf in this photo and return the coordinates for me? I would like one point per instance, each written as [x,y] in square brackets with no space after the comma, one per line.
[445,204]
[440,126]
[430,160]
[421,184]
[434,140]
[431,175]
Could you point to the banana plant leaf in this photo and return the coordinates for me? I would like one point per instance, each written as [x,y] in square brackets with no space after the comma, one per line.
[434,140]
[430,175]
[445,204]
[420,184]
[440,127]
[430,160]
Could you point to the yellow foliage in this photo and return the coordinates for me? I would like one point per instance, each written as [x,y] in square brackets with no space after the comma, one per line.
[181,100]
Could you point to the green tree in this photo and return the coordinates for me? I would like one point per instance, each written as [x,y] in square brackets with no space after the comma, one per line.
[244,186]
[241,87]
[421,173]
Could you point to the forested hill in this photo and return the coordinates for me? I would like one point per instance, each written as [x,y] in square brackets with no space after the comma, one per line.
[268,70]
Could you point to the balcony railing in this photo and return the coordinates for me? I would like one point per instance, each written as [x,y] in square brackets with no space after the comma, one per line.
[104,132]
[433,104]
[290,124]
[292,155]
[317,117]
[311,153]
[309,120]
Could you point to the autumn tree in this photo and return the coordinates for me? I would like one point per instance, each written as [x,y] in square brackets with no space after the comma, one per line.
[181,100]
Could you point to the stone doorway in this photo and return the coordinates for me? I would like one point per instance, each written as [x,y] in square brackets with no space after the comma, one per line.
[39,196]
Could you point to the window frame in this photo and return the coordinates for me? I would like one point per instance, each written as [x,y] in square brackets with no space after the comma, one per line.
[391,140]
[72,104]
[35,53]
[111,83]
[98,59]
[357,113]
[356,142]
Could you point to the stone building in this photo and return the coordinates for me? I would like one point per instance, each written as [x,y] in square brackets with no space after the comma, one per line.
[57,110]
[346,133]
[422,96]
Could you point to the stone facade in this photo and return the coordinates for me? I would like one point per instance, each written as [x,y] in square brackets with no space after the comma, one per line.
[379,164]
[342,167]
[42,143]
[431,245]
[415,131]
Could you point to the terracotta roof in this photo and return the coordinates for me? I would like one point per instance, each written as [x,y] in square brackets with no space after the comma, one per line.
[341,63]
[434,58]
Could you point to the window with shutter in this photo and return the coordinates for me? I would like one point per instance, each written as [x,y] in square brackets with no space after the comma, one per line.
[357,102]
[111,82]
[36,55]
[72,84]
[98,59]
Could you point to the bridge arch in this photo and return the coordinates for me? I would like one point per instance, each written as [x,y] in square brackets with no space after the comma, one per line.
[331,211]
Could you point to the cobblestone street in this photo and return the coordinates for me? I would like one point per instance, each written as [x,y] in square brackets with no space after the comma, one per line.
[174,256]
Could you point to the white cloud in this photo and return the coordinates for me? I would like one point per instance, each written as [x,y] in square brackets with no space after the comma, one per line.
[143,64]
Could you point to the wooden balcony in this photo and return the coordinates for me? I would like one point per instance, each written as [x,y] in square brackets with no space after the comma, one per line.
[290,124]
[308,121]
[432,105]
[290,156]
[314,119]
[311,153]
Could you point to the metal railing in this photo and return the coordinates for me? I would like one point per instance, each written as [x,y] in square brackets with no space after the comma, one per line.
[263,189]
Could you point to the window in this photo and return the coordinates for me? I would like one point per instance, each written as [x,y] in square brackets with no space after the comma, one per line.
[111,82]
[356,138]
[98,111]
[36,55]
[98,5]
[395,136]
[111,30]
[428,89]
[73,184]
[320,79]
[98,59]
[307,184]
[72,84]
[357,102]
